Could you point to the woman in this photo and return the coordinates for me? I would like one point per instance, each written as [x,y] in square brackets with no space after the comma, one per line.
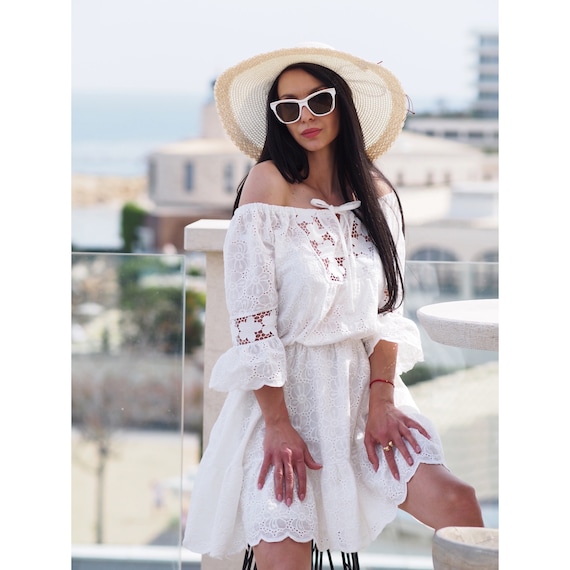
[319,439]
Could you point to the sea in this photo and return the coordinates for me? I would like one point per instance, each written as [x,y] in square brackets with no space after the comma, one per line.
[113,133]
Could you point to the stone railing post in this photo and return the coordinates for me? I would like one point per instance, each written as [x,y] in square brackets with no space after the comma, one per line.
[208,236]
[466,548]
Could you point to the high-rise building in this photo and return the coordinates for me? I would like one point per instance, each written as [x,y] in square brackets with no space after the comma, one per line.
[478,125]
[487,102]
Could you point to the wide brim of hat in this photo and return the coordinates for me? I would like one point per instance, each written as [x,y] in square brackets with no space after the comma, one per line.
[241,96]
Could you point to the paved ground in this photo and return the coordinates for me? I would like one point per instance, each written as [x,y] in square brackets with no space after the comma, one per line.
[138,472]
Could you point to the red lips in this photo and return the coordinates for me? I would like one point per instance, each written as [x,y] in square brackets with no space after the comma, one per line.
[310,133]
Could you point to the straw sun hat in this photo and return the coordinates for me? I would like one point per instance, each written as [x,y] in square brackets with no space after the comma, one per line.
[241,96]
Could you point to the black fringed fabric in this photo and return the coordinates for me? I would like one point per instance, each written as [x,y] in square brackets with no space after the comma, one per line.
[349,560]
[248,561]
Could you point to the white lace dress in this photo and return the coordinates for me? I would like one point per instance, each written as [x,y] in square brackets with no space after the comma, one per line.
[303,289]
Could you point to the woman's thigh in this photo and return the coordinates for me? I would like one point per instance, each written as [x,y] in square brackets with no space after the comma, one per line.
[284,555]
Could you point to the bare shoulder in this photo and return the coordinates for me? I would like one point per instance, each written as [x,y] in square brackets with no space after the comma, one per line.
[382,187]
[265,184]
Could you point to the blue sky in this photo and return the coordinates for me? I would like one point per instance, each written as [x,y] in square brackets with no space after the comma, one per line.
[181,45]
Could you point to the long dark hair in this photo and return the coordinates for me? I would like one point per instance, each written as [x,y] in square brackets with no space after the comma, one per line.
[355,171]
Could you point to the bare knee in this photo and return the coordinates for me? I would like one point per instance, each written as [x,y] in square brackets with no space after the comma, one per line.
[438,498]
[459,493]
[459,500]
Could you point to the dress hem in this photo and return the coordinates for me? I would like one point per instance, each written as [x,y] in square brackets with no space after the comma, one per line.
[361,547]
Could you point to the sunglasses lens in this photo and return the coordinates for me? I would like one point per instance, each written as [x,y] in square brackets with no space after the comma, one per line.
[321,103]
[287,112]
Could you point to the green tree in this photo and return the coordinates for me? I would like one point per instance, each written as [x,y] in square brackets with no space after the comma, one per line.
[152,314]
[132,218]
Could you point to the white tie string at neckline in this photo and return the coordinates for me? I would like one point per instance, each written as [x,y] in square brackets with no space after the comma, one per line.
[335,209]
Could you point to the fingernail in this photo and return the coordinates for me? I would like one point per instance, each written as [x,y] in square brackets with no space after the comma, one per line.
[279,498]
[289,502]
[302,497]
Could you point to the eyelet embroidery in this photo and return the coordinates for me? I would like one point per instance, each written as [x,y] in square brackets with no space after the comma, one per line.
[361,244]
[253,328]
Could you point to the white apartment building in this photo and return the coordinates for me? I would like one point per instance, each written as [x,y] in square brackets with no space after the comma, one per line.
[480,132]
[487,103]
[480,126]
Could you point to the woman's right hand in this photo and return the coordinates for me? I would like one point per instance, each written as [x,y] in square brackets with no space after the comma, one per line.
[288,454]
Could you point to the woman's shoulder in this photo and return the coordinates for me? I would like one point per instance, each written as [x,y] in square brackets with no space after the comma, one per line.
[265,184]
[383,188]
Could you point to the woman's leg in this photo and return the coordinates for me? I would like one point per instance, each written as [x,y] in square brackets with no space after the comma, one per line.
[438,499]
[284,555]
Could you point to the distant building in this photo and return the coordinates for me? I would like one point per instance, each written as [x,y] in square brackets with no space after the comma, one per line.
[487,102]
[197,178]
[480,125]
[482,133]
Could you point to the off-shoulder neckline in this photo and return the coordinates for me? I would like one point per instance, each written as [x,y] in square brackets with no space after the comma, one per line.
[279,207]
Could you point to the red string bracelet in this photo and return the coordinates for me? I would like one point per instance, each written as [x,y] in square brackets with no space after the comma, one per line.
[382,380]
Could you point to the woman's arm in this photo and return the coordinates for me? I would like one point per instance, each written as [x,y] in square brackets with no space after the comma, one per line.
[386,423]
[284,448]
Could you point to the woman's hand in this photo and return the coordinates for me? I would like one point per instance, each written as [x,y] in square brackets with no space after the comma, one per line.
[286,451]
[387,424]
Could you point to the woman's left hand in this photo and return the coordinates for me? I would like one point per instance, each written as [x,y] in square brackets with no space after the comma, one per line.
[390,428]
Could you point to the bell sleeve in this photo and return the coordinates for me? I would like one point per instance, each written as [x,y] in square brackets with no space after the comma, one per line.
[393,326]
[257,355]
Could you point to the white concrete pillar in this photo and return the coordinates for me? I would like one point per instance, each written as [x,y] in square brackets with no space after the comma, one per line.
[208,236]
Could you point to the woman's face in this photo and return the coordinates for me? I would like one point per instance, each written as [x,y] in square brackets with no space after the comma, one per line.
[312,132]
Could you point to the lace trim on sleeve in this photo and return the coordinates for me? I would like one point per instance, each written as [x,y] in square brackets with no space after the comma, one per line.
[253,328]
[257,357]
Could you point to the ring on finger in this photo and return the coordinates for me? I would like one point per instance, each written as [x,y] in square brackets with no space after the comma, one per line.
[389,446]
